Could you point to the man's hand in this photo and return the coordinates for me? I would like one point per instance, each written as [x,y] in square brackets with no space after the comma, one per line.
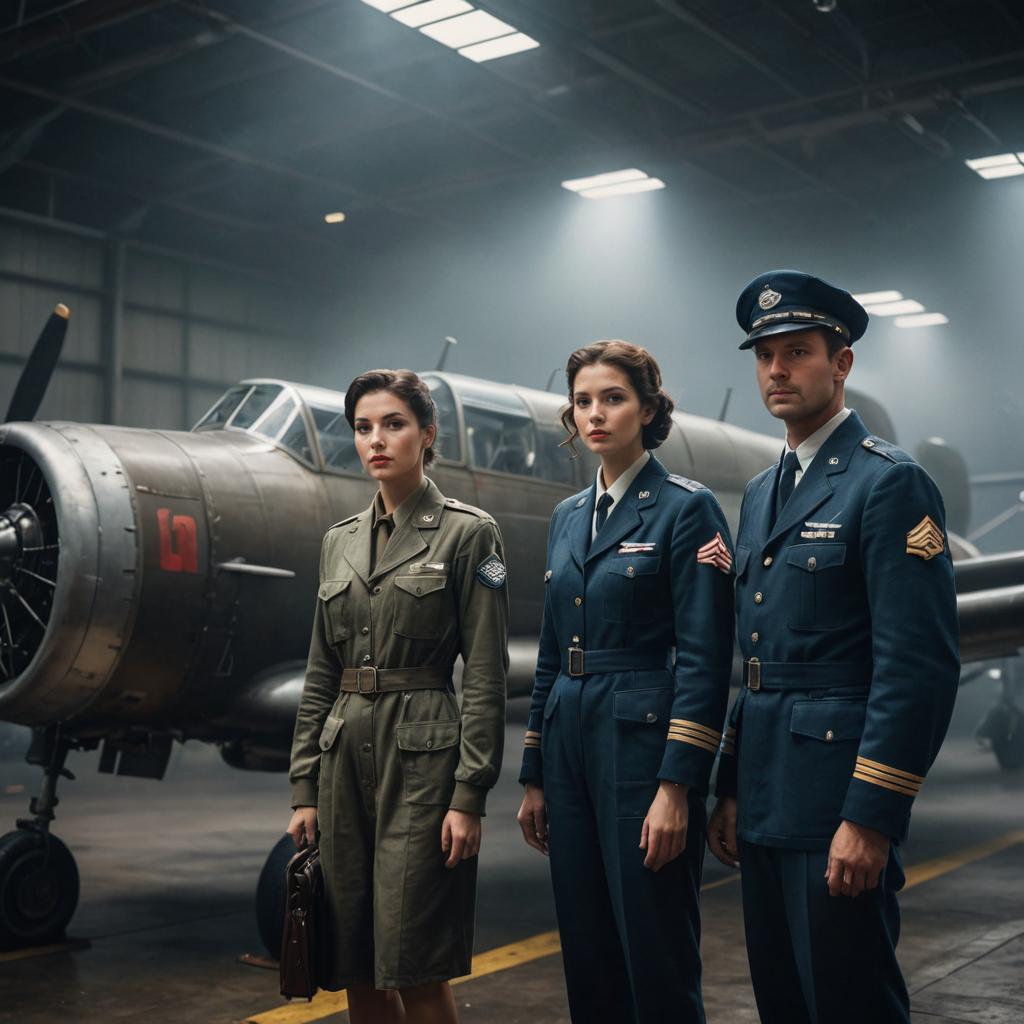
[533,818]
[722,832]
[302,827]
[856,858]
[460,836]
[663,835]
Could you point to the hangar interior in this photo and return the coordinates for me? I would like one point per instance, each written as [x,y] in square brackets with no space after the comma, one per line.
[302,189]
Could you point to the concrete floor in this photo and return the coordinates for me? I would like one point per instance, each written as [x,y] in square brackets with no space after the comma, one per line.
[169,869]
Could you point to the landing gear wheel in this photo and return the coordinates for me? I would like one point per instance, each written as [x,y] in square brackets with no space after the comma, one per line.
[270,895]
[38,889]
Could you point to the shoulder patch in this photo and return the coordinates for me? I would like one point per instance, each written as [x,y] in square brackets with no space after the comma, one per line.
[345,522]
[685,482]
[458,506]
[886,449]
[491,572]
[926,540]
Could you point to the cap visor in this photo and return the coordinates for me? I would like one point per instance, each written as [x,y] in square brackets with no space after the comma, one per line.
[781,327]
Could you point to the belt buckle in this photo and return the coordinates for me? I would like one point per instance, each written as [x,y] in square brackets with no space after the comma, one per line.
[576,662]
[754,674]
[359,680]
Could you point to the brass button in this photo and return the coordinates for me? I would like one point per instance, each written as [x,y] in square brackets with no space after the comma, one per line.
[429,744]
[367,657]
[630,571]
[376,590]
[651,716]
[758,597]
[365,630]
[367,748]
[812,562]
[575,639]
[829,736]
[578,601]
[754,637]
[768,561]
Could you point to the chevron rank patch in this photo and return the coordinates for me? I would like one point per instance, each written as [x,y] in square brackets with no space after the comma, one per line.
[491,572]
[716,553]
[926,540]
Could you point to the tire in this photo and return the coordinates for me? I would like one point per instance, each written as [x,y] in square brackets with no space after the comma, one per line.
[38,889]
[270,896]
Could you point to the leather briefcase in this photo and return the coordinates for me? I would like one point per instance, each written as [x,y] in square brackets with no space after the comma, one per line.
[303,945]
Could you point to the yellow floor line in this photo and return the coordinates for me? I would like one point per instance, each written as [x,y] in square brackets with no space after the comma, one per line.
[929,869]
[68,945]
[325,1004]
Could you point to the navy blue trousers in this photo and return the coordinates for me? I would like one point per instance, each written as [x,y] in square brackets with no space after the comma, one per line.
[816,958]
[630,936]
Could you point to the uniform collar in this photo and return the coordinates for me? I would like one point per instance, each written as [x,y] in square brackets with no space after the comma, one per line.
[809,447]
[400,514]
[621,485]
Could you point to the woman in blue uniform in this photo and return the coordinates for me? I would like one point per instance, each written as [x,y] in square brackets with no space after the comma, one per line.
[628,701]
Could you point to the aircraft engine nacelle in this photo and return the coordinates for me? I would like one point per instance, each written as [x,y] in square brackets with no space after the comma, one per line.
[145,576]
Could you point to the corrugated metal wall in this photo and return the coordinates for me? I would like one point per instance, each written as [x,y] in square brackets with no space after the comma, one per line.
[187,331]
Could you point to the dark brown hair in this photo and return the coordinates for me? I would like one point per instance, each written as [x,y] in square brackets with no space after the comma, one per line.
[403,384]
[645,376]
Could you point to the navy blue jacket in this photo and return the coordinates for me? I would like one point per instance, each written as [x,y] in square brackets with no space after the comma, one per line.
[650,597]
[851,589]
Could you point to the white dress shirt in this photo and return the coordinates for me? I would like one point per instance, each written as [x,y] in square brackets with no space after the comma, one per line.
[806,450]
[617,489]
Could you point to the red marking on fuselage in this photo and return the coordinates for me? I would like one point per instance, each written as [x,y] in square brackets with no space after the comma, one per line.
[186,557]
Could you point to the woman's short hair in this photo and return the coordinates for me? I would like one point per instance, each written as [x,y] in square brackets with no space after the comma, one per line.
[403,384]
[645,376]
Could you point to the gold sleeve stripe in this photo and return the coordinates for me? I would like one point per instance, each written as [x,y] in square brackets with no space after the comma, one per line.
[696,727]
[711,748]
[532,743]
[531,732]
[899,774]
[873,775]
[685,730]
[885,785]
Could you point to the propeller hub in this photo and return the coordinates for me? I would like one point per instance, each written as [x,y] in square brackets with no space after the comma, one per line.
[20,531]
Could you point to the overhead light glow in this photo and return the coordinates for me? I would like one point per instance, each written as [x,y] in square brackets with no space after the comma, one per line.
[1009,171]
[334,218]
[501,47]
[624,187]
[432,10]
[873,298]
[922,320]
[610,178]
[467,29]
[387,6]
[895,308]
[991,161]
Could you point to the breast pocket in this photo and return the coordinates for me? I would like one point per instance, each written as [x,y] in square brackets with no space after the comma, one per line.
[335,602]
[816,577]
[631,587]
[420,606]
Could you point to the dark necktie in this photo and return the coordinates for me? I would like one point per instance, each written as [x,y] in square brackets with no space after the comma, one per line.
[787,481]
[603,504]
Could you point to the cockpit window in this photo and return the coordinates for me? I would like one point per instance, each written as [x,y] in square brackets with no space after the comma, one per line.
[499,429]
[256,403]
[226,405]
[277,418]
[337,443]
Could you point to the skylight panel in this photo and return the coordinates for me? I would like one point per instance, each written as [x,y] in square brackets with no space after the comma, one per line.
[901,308]
[501,47]
[921,320]
[467,29]
[433,10]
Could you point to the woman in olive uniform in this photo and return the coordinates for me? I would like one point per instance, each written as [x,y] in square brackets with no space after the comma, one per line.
[628,701]
[385,763]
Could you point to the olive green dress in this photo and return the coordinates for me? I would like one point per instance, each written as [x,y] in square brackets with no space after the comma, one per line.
[383,769]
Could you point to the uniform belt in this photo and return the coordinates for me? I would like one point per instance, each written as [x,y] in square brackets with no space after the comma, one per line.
[811,675]
[389,680]
[577,662]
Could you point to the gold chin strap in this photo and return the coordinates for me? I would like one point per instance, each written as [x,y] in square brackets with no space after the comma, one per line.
[800,314]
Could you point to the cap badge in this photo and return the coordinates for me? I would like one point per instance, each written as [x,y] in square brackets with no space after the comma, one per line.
[768,298]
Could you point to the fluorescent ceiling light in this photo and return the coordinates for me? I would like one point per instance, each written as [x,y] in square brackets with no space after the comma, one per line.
[432,10]
[607,191]
[988,173]
[922,320]
[467,29]
[387,6]
[873,298]
[991,161]
[502,47]
[334,218]
[895,308]
[597,180]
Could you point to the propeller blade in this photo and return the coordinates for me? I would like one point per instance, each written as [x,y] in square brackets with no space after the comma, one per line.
[42,361]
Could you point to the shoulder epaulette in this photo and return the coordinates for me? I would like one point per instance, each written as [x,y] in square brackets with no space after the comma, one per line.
[472,510]
[886,449]
[344,522]
[685,482]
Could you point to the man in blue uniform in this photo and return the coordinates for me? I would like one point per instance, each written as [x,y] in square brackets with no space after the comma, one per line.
[847,623]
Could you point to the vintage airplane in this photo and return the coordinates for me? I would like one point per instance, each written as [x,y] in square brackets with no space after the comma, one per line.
[157,585]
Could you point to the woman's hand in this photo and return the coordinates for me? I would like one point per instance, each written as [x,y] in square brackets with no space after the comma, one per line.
[460,836]
[663,835]
[302,827]
[722,832]
[533,818]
